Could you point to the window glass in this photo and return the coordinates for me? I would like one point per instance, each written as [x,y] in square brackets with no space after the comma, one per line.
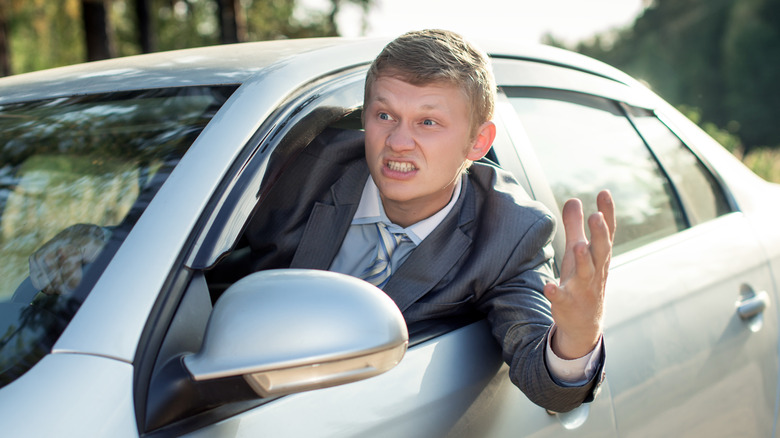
[75,175]
[701,194]
[585,144]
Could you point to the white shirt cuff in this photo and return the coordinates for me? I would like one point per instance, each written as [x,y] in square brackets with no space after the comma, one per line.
[574,372]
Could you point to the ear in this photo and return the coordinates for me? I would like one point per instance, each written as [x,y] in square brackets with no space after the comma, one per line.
[482,141]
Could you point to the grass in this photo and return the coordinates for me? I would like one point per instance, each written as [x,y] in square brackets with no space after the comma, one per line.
[765,162]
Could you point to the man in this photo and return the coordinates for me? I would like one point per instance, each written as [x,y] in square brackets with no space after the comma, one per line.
[410,213]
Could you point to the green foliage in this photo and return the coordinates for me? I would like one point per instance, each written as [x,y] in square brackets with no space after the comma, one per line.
[46,33]
[765,162]
[721,56]
[726,138]
[181,24]
[751,66]
[42,34]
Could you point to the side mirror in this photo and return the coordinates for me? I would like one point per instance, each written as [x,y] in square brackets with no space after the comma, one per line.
[288,331]
[281,332]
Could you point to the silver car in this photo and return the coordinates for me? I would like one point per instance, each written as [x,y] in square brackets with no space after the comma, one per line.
[164,158]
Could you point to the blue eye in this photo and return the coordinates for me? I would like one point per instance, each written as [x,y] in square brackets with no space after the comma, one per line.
[384,116]
[428,122]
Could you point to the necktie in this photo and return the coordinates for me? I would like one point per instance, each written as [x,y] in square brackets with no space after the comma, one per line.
[379,272]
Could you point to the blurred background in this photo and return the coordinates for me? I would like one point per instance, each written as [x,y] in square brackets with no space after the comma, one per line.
[718,61]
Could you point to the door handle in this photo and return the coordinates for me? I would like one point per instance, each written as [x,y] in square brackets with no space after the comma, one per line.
[749,307]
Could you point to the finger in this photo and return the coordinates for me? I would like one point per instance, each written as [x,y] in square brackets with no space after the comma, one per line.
[606,206]
[573,224]
[583,264]
[600,242]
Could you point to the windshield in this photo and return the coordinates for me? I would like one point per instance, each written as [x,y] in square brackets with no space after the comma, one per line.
[75,175]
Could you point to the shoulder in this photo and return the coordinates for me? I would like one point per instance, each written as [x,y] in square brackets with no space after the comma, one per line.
[500,197]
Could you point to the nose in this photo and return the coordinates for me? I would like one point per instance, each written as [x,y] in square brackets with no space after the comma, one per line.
[400,138]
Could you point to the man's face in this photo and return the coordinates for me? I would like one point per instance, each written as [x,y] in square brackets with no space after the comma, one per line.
[417,143]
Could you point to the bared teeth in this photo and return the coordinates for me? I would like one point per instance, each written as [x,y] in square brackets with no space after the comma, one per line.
[400,166]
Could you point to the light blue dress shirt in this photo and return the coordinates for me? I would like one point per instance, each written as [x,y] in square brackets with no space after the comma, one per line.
[360,244]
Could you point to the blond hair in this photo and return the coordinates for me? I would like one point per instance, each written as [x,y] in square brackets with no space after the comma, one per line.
[437,56]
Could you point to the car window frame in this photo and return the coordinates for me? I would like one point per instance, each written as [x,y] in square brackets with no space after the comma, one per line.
[706,167]
[540,188]
[691,146]
[241,193]
[539,185]
[529,72]
[220,228]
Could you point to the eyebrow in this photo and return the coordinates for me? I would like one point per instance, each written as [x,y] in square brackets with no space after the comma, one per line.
[385,101]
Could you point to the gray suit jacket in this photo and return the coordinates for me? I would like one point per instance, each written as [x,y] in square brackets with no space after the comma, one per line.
[491,254]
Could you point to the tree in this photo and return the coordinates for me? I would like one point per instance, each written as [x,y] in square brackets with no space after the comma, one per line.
[336,5]
[751,67]
[46,33]
[721,56]
[98,38]
[5,56]
[232,23]
[144,25]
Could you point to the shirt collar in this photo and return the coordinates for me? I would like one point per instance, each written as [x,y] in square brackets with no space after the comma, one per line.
[370,210]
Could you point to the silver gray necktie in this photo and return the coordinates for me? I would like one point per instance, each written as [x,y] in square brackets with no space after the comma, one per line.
[380,270]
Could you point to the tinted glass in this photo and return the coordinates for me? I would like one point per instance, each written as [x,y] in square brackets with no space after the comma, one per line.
[700,192]
[75,175]
[585,144]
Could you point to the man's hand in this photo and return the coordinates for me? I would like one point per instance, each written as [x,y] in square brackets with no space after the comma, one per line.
[578,303]
[56,267]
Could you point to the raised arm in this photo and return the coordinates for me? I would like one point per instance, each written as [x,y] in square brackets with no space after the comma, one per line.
[578,301]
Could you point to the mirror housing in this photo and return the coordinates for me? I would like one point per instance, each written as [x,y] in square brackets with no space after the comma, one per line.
[294,330]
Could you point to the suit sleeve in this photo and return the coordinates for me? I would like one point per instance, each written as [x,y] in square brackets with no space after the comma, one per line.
[520,319]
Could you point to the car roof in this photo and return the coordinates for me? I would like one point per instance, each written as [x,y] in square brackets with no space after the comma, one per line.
[239,63]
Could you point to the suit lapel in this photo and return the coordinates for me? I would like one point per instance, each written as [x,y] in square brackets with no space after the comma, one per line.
[436,255]
[427,264]
[330,220]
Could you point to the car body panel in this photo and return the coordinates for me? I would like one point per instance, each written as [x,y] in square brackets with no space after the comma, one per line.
[415,400]
[227,64]
[685,361]
[704,370]
[513,72]
[75,395]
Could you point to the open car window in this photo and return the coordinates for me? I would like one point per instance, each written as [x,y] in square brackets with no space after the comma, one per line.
[220,255]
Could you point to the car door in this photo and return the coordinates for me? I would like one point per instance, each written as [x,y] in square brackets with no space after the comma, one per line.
[451,382]
[689,352]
